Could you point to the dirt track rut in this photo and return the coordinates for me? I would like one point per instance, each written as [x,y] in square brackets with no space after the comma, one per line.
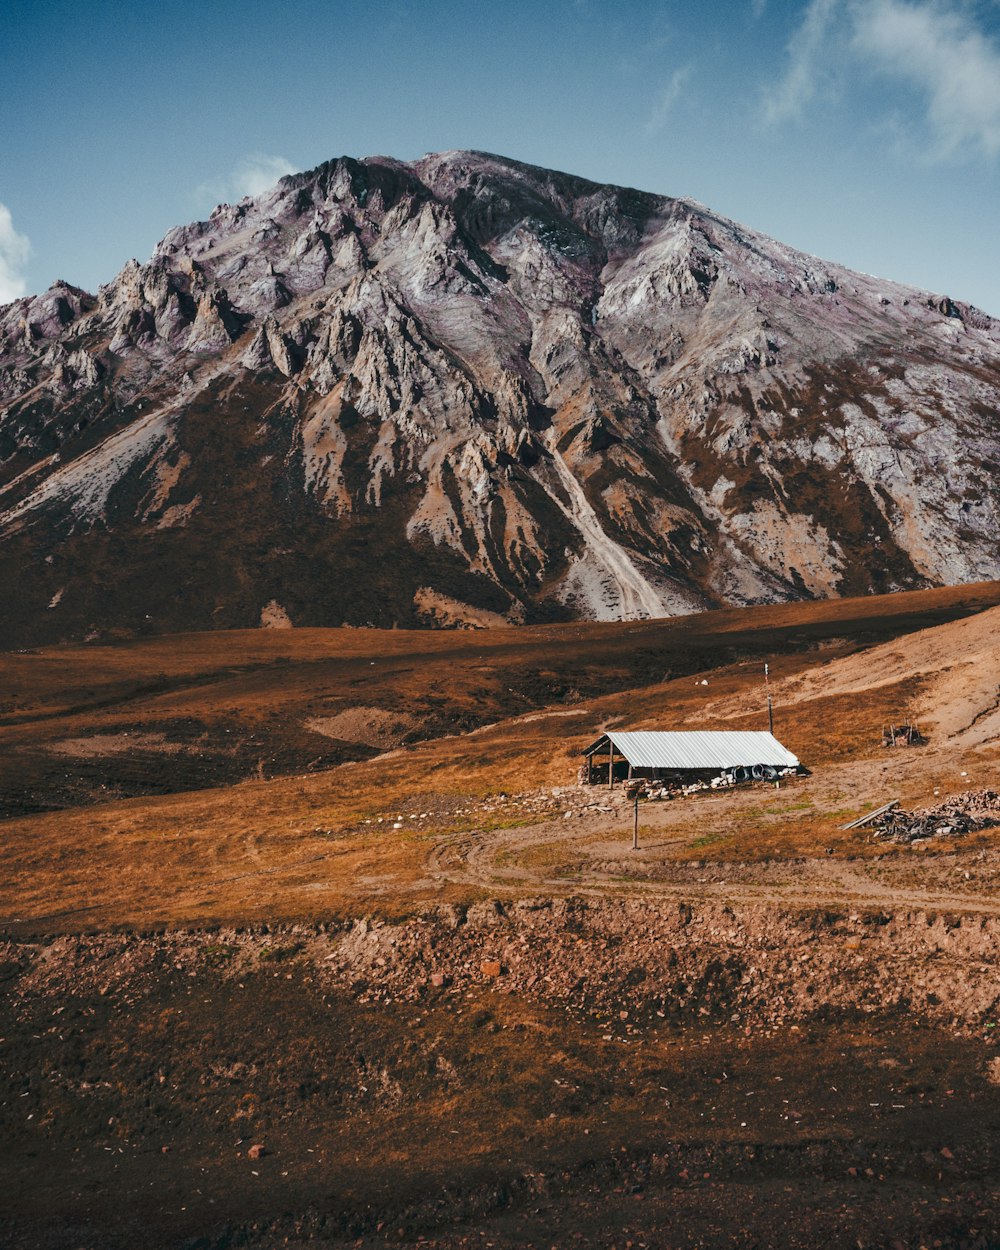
[592,858]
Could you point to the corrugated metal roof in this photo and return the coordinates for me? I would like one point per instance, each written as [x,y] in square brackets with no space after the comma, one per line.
[699,748]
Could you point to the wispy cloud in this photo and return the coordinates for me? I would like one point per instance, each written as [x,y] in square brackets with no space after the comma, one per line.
[15,249]
[259,172]
[937,49]
[668,96]
[933,46]
[253,175]
[788,98]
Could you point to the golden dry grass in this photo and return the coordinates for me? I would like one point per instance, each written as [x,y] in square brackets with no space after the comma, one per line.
[299,846]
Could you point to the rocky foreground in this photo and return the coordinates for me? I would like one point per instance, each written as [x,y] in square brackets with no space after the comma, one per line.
[544,1072]
[467,391]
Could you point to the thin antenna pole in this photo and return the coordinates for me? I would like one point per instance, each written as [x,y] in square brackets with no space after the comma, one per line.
[770,705]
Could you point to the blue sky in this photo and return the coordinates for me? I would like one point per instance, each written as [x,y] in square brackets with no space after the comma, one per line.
[865,131]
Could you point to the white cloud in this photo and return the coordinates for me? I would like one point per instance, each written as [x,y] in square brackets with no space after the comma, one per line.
[14,252]
[258,173]
[939,50]
[805,63]
[253,175]
[665,101]
[933,46]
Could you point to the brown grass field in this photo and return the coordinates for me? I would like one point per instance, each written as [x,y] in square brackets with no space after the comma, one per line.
[196,825]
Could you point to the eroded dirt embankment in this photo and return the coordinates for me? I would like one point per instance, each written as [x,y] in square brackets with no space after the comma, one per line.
[755,965]
[540,1072]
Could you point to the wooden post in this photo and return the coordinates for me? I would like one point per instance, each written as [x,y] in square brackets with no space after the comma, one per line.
[635,825]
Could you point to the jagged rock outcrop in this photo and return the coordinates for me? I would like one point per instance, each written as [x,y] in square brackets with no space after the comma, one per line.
[507,387]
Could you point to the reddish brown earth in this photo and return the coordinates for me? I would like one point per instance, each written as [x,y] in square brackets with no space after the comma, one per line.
[452,1014]
[662,1076]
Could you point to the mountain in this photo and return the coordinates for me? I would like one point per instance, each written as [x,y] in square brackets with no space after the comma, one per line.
[468,390]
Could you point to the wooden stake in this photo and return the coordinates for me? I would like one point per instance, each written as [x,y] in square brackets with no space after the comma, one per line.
[635,826]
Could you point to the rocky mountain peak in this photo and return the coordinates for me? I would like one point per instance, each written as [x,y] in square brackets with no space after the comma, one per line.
[384,390]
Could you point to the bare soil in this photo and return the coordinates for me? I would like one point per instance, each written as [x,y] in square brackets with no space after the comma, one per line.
[661,1075]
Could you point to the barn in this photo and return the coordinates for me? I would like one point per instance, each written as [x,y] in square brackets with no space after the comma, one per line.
[686,756]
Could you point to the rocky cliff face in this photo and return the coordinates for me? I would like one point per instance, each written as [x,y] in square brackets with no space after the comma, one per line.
[469,390]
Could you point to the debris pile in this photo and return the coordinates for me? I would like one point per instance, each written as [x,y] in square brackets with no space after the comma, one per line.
[673,787]
[963,813]
[902,736]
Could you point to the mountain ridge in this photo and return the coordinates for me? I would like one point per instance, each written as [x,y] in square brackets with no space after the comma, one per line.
[409,393]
